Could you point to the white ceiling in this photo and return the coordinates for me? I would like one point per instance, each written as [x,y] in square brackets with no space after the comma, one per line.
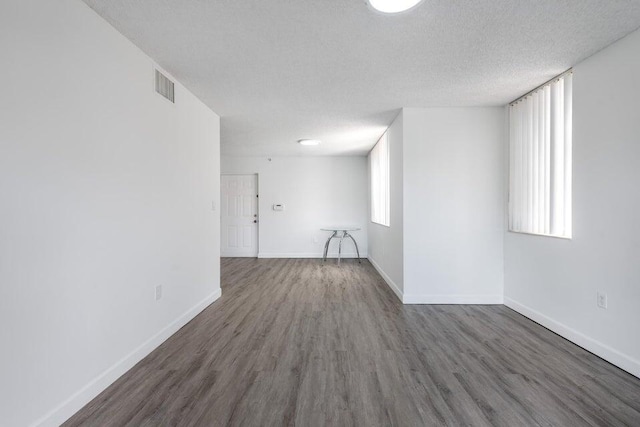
[281,70]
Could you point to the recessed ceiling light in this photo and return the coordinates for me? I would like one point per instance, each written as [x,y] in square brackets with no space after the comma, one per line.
[393,6]
[309,141]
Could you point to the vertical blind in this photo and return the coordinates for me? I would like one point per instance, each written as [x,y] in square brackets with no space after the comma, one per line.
[540,160]
[379,161]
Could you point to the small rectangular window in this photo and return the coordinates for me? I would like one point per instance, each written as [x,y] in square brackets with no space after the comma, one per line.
[540,160]
[379,162]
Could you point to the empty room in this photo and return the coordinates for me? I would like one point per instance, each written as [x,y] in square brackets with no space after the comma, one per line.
[320,213]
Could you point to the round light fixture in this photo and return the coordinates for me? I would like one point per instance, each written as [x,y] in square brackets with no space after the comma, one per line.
[309,141]
[393,6]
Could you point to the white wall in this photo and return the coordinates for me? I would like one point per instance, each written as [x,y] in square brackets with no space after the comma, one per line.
[385,243]
[555,281]
[317,192]
[453,205]
[105,192]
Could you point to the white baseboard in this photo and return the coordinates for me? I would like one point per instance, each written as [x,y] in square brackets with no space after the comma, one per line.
[307,255]
[396,290]
[75,402]
[226,255]
[609,354]
[435,299]
[453,299]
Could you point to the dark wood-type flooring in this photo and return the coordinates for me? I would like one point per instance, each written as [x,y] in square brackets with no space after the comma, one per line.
[293,341]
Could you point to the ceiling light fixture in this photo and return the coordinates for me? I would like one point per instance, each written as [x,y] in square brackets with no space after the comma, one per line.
[393,6]
[309,141]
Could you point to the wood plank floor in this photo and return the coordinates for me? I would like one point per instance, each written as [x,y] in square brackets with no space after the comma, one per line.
[293,341]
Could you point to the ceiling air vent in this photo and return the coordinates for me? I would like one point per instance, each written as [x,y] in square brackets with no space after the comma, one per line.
[164,86]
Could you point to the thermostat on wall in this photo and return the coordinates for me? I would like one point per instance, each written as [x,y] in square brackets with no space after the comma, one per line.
[278,207]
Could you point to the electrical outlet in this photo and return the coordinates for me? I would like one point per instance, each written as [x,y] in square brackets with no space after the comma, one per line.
[602,300]
[158,292]
[315,239]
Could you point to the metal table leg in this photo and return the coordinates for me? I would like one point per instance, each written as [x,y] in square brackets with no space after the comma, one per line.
[354,242]
[340,247]
[326,245]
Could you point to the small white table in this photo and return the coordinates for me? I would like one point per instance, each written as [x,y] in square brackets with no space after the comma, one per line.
[344,233]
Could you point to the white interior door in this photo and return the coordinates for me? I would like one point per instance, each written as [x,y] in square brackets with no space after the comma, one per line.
[239,215]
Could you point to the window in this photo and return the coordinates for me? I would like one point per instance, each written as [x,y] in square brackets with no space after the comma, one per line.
[379,161]
[540,160]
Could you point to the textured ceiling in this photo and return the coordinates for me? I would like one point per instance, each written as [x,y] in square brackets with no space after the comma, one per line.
[281,70]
